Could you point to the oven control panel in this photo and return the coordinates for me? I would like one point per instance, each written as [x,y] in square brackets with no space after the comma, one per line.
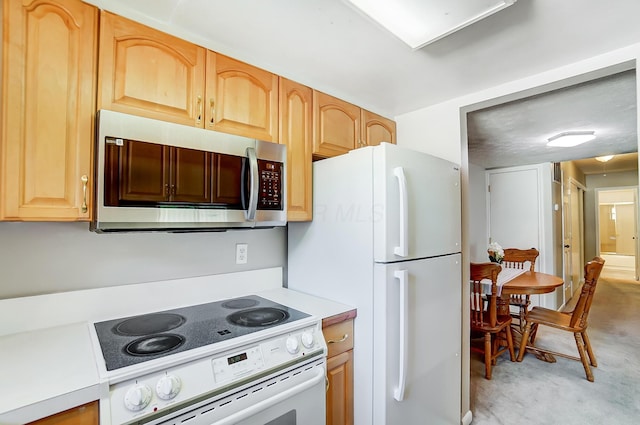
[153,393]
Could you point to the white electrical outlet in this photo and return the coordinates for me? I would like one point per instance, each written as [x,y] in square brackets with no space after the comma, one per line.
[242,253]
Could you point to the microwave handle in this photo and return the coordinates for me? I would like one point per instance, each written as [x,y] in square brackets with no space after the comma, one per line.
[253,184]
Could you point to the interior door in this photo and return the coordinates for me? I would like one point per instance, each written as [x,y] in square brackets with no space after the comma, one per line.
[514,208]
[576,240]
[417,334]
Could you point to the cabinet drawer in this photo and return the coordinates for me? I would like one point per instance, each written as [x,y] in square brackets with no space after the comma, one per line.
[339,337]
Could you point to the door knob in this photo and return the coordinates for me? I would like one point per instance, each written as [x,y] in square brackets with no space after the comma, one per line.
[567,246]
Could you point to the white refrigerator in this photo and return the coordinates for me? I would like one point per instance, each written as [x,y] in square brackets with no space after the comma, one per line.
[386,239]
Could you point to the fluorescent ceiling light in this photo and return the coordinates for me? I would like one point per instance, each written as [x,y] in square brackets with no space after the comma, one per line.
[420,22]
[604,158]
[571,138]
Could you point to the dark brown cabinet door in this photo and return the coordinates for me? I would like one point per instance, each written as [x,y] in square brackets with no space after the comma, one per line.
[145,173]
[191,176]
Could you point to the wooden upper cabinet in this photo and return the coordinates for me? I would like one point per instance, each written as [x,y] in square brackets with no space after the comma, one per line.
[296,132]
[48,105]
[336,125]
[377,129]
[241,99]
[149,73]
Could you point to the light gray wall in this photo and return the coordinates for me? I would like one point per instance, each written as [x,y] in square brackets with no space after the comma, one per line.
[478,241]
[597,181]
[39,258]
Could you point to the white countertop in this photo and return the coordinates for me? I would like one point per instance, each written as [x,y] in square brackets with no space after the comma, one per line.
[52,369]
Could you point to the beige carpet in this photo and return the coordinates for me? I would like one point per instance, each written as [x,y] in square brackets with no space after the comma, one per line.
[535,392]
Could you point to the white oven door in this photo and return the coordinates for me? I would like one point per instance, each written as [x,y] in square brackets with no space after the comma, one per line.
[296,397]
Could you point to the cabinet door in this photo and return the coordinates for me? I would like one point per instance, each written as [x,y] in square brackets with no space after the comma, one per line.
[47,109]
[149,73]
[377,129]
[86,414]
[340,391]
[241,99]
[144,173]
[191,175]
[336,125]
[296,132]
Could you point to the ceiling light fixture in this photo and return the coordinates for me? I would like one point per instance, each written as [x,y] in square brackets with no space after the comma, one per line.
[418,22]
[604,158]
[571,138]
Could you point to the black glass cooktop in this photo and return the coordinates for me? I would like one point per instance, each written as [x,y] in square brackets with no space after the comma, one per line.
[132,340]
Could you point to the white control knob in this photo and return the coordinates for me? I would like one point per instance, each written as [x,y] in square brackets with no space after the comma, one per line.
[168,387]
[292,345]
[308,339]
[137,397]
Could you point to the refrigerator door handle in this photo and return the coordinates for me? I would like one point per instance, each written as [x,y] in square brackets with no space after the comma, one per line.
[402,250]
[403,277]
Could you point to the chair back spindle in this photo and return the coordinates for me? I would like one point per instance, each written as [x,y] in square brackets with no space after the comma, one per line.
[591,274]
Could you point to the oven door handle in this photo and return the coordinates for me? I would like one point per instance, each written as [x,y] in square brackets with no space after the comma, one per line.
[265,404]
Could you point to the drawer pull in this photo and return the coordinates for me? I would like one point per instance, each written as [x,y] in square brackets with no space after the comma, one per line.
[343,339]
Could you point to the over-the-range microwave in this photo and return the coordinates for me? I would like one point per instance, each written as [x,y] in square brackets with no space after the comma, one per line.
[152,175]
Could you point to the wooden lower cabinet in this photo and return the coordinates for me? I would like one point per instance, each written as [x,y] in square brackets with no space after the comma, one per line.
[339,337]
[87,414]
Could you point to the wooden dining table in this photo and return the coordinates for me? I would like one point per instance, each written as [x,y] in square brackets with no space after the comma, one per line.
[527,283]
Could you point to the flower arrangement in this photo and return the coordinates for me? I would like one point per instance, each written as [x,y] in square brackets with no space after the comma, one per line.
[496,253]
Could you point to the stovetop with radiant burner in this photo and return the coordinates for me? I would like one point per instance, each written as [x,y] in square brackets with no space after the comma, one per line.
[132,340]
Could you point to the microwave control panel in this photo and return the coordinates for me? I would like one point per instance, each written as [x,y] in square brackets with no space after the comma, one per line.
[271,175]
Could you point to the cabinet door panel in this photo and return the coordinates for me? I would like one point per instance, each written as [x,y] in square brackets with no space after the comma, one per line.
[336,125]
[340,392]
[191,176]
[146,72]
[241,99]
[296,132]
[48,107]
[377,129]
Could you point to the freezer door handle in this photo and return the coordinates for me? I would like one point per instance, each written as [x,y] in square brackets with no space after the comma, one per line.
[402,250]
[403,277]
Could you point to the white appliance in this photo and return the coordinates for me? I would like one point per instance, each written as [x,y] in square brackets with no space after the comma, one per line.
[385,238]
[241,361]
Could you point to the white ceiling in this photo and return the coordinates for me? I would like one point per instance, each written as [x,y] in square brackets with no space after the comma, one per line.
[328,45]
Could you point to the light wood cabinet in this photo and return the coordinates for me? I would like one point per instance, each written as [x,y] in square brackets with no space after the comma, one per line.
[339,338]
[149,73]
[241,99]
[296,132]
[377,129]
[336,125]
[48,105]
[87,414]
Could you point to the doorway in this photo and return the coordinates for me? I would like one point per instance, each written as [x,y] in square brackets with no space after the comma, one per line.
[616,238]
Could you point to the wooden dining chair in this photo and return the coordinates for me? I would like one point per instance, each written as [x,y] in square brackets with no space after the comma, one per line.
[517,259]
[574,322]
[496,331]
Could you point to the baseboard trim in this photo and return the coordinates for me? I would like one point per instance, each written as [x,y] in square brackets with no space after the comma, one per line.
[467,418]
